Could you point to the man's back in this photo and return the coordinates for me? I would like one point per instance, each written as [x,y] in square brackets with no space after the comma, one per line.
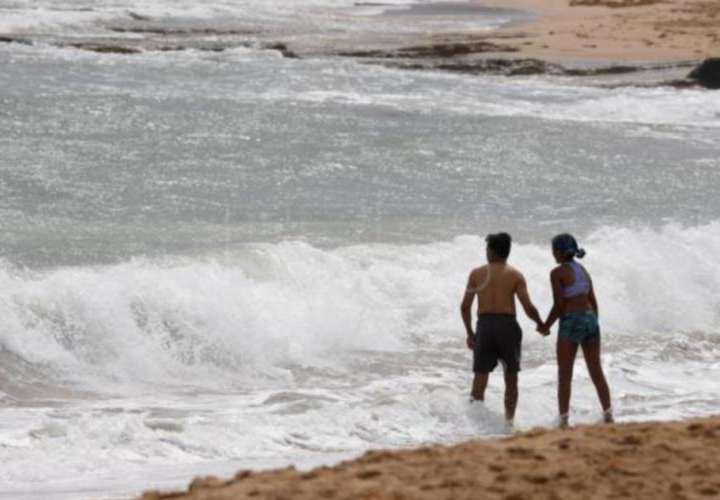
[498,337]
[495,285]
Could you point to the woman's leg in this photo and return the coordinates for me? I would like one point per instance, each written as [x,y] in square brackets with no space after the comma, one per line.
[566,351]
[591,352]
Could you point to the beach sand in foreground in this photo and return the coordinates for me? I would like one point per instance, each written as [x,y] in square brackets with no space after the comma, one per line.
[658,460]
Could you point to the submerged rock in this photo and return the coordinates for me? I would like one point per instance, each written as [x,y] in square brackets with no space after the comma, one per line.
[186,32]
[283,49]
[105,48]
[138,17]
[14,39]
[707,74]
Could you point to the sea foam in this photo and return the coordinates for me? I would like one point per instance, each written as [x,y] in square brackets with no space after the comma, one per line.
[239,318]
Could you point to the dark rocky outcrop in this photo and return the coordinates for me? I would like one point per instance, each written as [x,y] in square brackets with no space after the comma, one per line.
[707,74]
[606,70]
[500,66]
[613,4]
[443,50]
[516,67]
[475,64]
[484,55]
[624,69]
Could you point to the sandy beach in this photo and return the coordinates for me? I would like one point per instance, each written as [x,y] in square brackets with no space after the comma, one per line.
[559,37]
[671,460]
[627,31]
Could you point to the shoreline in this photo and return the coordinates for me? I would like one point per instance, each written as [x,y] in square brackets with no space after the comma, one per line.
[645,460]
[634,42]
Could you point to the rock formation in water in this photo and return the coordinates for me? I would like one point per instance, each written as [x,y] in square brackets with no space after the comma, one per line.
[707,74]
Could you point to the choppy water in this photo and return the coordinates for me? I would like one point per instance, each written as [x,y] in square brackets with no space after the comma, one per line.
[225,260]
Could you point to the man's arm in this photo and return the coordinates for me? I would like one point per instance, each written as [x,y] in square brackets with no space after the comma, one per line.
[466,311]
[524,297]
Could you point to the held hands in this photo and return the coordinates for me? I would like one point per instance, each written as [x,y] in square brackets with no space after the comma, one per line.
[543,329]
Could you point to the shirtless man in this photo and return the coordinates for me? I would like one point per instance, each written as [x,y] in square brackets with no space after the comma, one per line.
[498,336]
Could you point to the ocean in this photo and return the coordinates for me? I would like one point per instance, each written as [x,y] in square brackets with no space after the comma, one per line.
[216,260]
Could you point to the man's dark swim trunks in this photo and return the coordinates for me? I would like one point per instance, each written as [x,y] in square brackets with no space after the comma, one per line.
[498,337]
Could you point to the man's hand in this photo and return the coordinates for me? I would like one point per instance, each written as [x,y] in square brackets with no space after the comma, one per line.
[543,330]
[470,341]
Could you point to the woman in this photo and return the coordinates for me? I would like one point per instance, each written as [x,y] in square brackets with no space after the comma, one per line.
[575,305]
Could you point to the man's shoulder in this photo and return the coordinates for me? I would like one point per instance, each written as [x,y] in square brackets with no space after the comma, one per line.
[479,269]
[514,271]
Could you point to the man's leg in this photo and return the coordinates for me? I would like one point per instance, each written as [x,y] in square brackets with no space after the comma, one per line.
[511,394]
[479,384]
[483,363]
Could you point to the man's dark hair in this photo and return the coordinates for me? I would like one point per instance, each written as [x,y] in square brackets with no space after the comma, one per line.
[499,244]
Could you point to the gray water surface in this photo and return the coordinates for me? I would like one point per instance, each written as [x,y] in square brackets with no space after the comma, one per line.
[107,157]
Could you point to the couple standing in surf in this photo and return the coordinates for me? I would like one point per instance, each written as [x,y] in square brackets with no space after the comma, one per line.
[498,336]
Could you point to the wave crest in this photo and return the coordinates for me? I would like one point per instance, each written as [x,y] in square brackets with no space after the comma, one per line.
[258,313]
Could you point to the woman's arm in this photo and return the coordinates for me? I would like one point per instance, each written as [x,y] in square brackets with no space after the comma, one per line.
[558,300]
[592,299]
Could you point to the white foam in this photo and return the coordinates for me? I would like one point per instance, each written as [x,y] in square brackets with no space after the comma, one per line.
[61,16]
[276,304]
[536,97]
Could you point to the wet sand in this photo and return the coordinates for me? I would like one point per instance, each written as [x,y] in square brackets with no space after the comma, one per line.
[654,461]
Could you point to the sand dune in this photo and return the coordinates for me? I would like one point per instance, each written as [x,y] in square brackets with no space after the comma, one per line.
[676,460]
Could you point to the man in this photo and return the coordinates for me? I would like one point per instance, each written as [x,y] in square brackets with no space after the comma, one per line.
[498,336]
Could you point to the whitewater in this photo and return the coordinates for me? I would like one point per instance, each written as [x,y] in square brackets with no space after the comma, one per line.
[224,260]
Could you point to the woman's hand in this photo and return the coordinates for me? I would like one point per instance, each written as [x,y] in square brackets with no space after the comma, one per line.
[543,329]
